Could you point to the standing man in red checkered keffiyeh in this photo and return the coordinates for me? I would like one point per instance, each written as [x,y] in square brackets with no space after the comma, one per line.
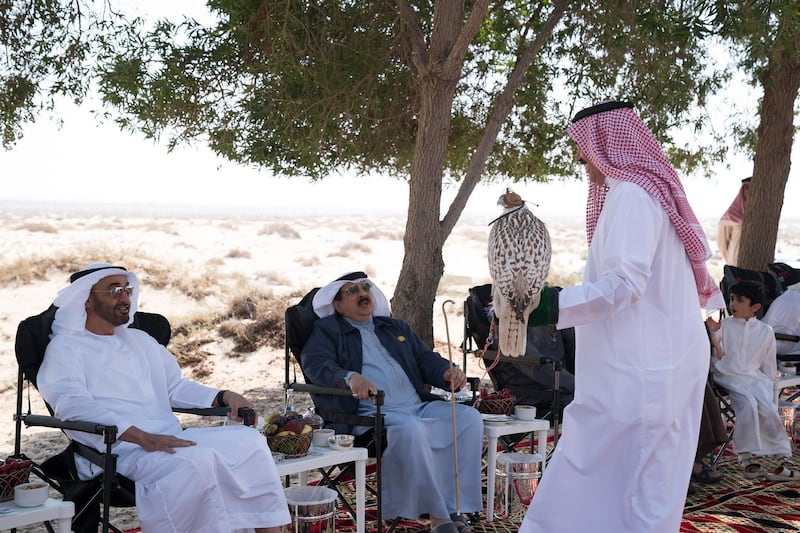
[642,352]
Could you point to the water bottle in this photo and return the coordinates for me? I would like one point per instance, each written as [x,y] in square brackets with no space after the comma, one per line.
[289,402]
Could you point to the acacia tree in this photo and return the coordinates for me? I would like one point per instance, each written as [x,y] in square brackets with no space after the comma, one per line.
[765,36]
[425,90]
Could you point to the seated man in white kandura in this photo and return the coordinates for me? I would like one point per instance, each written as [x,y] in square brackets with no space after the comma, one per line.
[210,480]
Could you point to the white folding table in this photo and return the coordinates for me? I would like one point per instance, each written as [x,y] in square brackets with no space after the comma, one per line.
[58,511]
[321,457]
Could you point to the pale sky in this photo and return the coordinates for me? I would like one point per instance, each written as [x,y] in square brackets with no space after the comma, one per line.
[96,164]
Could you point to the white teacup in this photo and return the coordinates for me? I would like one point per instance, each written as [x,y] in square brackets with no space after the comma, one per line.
[525,412]
[319,437]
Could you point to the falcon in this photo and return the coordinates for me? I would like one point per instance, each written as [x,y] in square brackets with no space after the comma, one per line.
[519,261]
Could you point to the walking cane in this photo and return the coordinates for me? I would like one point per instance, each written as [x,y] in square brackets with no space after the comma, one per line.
[452,406]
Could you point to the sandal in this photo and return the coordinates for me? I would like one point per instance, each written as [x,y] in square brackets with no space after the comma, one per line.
[461,523]
[706,475]
[754,470]
[782,473]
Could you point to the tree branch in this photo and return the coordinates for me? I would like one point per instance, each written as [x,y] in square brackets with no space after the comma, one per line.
[459,50]
[415,39]
[501,109]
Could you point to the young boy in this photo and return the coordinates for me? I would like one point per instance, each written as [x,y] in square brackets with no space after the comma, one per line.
[745,364]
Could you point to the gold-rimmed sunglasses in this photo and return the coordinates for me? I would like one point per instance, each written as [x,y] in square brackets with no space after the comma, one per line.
[352,290]
[116,292]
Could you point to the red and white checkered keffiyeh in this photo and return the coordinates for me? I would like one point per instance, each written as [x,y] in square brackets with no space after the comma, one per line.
[621,146]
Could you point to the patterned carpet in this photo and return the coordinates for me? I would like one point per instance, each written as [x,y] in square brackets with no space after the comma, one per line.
[742,505]
[735,505]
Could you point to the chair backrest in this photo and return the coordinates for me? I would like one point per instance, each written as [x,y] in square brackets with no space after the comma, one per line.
[299,321]
[773,286]
[476,321]
[33,336]
[788,275]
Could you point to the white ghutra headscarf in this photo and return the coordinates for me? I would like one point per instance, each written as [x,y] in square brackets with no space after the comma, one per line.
[71,300]
[323,300]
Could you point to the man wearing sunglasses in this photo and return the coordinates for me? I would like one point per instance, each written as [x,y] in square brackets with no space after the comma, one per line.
[97,368]
[358,345]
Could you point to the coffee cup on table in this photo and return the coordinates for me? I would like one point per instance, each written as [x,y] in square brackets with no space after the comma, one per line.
[525,412]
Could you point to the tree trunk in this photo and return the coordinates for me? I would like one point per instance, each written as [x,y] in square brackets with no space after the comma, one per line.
[423,262]
[438,68]
[772,161]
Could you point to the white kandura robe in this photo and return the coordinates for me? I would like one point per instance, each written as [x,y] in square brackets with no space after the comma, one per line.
[227,482]
[747,371]
[642,355]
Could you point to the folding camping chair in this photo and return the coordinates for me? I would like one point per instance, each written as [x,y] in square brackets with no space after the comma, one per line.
[107,489]
[478,339]
[299,321]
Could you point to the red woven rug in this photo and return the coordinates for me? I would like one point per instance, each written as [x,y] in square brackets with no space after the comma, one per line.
[735,505]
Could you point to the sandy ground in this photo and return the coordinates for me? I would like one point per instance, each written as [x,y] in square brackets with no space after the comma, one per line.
[233,254]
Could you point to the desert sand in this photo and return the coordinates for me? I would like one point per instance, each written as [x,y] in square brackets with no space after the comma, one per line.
[196,262]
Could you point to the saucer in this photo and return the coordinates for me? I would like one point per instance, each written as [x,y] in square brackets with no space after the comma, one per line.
[496,420]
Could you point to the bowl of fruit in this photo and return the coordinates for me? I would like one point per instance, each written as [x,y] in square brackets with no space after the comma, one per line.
[287,434]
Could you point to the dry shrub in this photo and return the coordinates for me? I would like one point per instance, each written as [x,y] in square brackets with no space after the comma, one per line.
[25,270]
[255,320]
[309,261]
[281,229]
[164,227]
[38,227]
[384,234]
[188,344]
[227,224]
[356,247]
[239,254]
[274,278]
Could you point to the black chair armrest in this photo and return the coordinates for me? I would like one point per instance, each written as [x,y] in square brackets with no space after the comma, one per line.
[203,411]
[316,389]
[247,415]
[75,425]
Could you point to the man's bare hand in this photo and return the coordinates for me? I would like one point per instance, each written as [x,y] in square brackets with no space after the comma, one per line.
[456,377]
[361,387]
[152,442]
[235,401]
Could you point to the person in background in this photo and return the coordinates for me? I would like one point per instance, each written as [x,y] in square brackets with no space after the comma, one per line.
[213,480]
[730,226]
[746,367]
[784,317]
[630,433]
[358,345]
